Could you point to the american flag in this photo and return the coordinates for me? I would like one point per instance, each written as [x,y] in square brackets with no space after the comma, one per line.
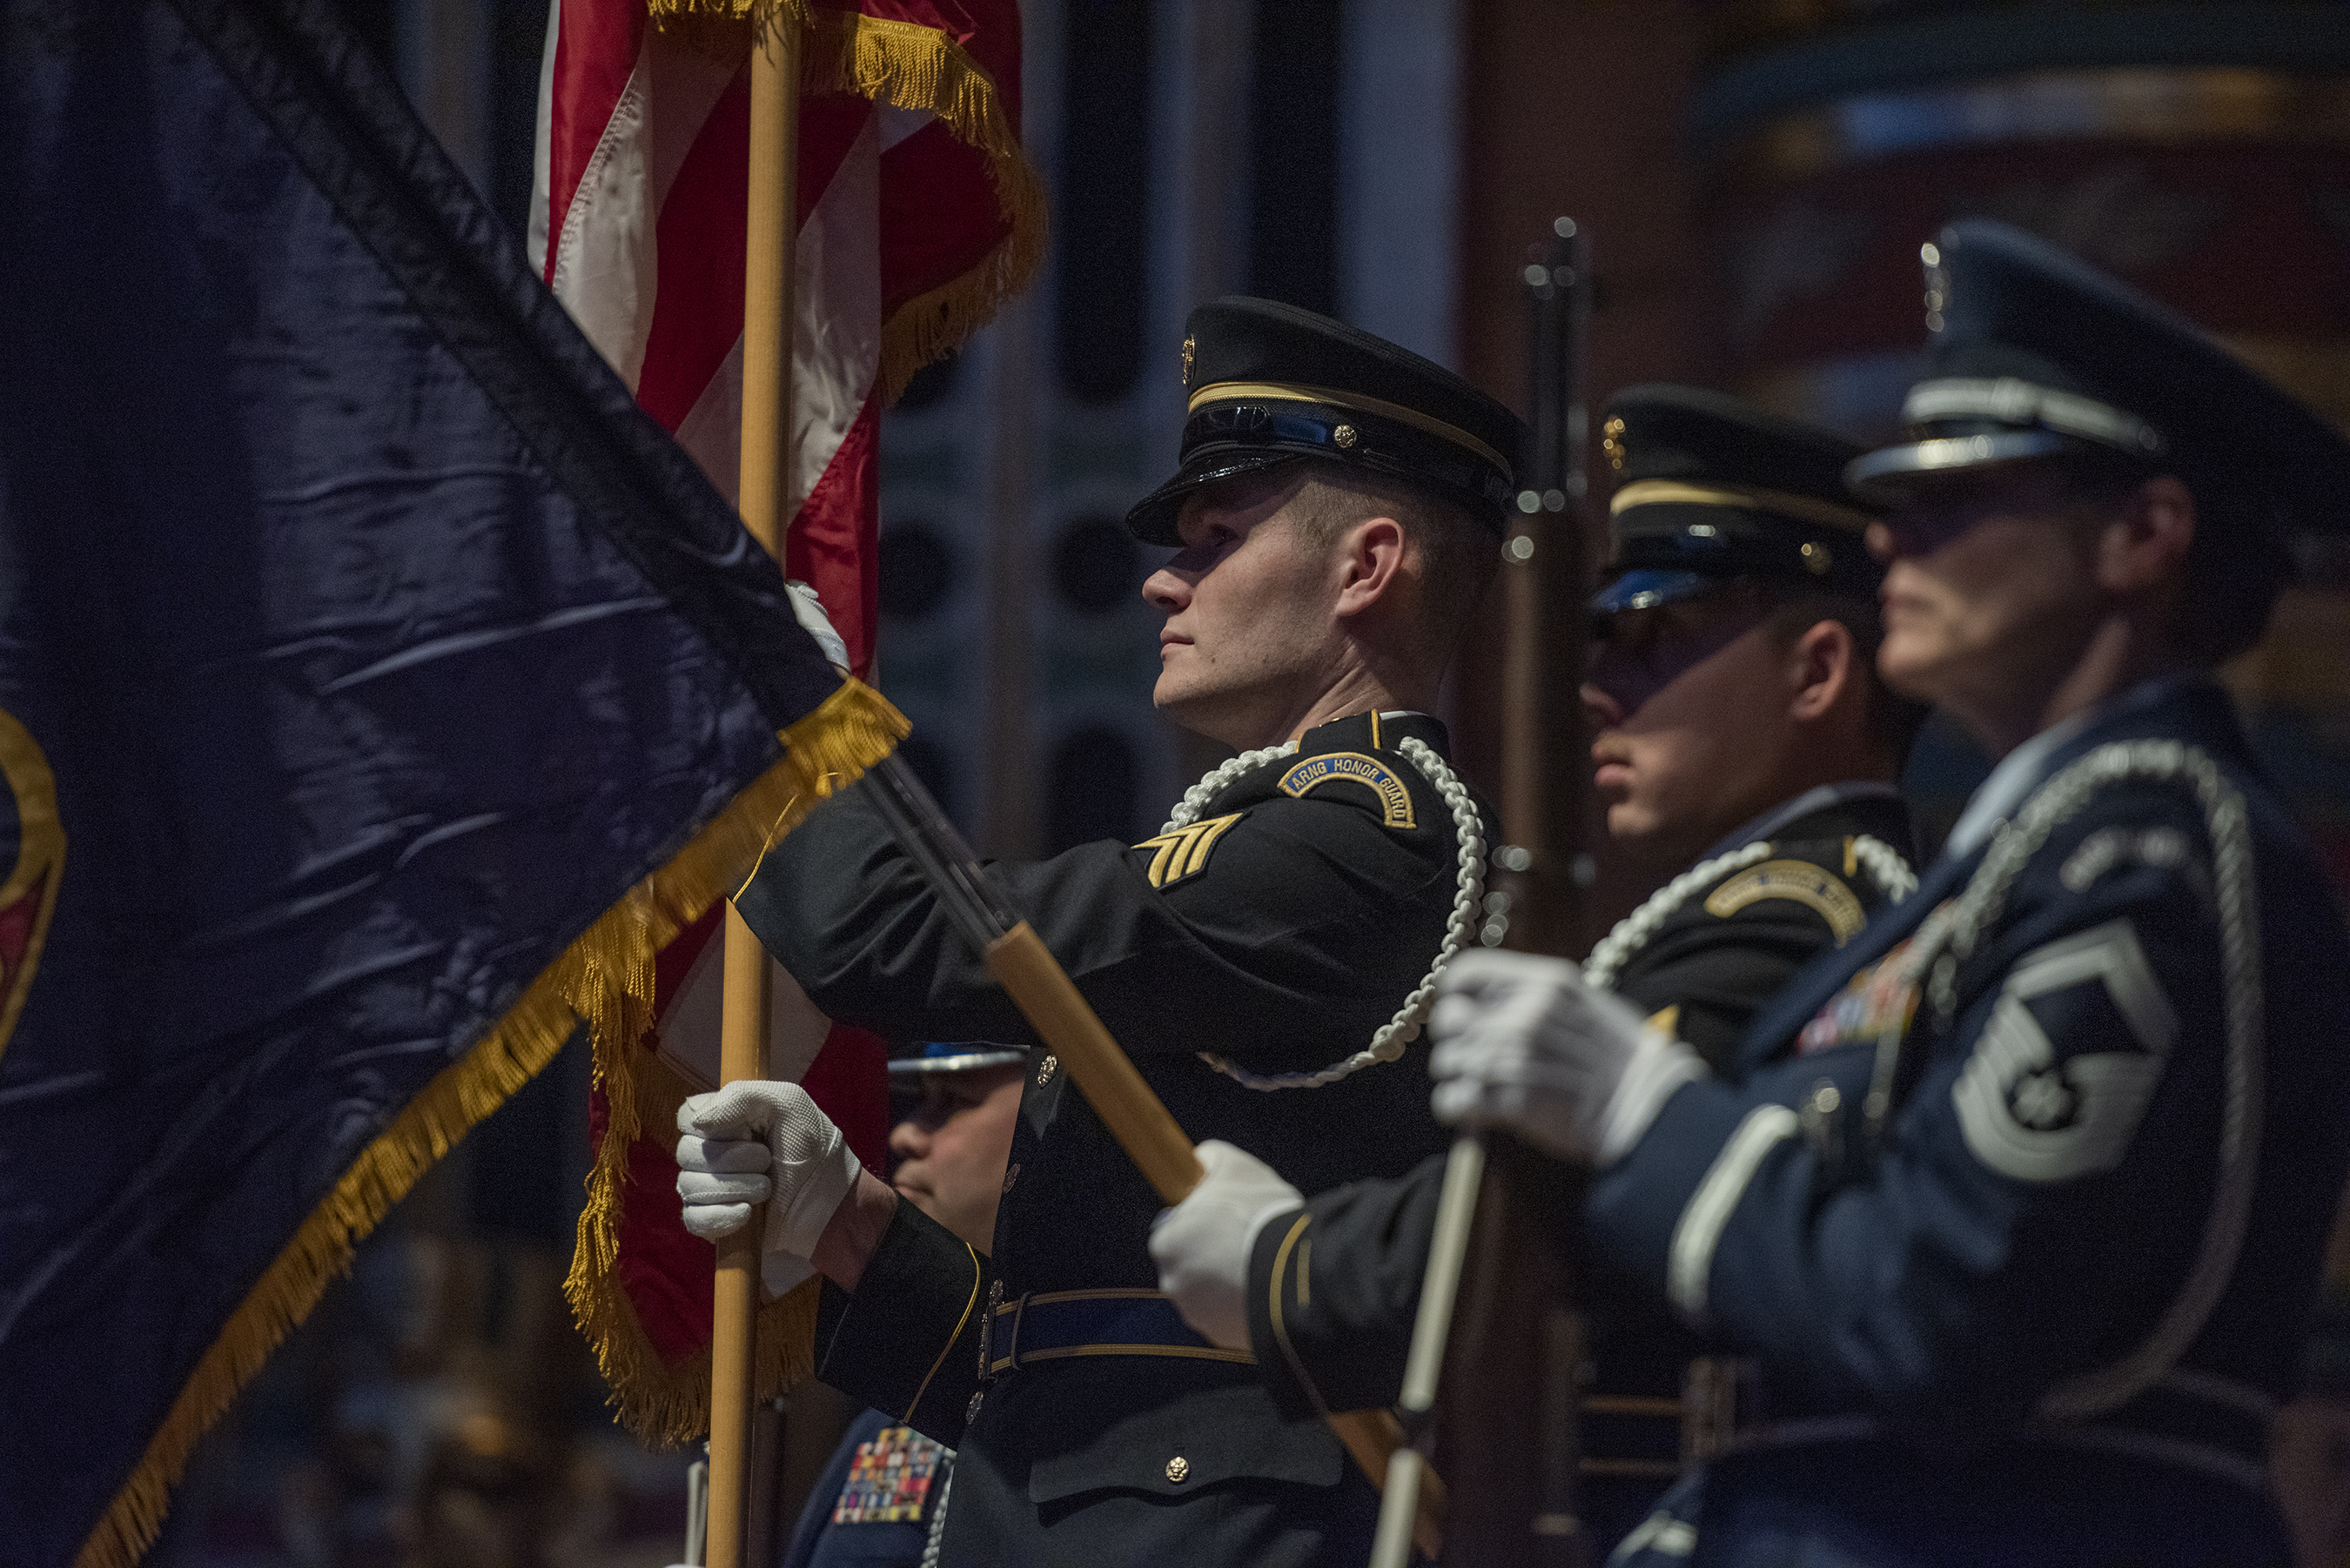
[918,216]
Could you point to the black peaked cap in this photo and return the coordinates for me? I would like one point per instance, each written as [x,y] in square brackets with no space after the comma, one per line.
[2034,353]
[938,1057]
[1708,488]
[1269,383]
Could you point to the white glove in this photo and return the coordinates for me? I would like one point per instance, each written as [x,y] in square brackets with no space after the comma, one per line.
[1522,1044]
[808,610]
[1202,1245]
[760,1142]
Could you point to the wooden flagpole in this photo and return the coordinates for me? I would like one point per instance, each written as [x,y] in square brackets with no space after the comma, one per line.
[768,307]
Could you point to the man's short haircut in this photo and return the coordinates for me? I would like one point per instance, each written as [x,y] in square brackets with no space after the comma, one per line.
[1458,553]
[2235,564]
[1892,720]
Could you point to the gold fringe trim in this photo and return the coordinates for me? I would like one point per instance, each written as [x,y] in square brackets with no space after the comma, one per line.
[604,979]
[916,68]
[662,1403]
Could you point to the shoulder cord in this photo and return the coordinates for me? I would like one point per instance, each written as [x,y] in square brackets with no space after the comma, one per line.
[939,1514]
[1195,799]
[2228,825]
[1893,872]
[1468,831]
[1632,932]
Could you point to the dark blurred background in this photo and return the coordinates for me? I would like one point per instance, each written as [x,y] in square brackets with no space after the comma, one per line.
[1756,175]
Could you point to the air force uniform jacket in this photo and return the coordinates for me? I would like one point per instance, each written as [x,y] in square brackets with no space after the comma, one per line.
[2020,1197]
[1279,930]
[875,1503]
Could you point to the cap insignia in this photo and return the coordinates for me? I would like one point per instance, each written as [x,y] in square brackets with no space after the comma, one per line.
[1190,343]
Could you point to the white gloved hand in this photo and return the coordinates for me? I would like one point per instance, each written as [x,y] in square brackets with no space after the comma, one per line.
[808,610]
[1522,1044]
[1202,1245]
[760,1142]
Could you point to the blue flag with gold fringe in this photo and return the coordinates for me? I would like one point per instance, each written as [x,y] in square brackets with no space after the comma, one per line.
[378,687]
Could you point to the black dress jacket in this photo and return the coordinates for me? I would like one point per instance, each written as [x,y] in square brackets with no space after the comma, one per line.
[1280,931]
[1333,1334]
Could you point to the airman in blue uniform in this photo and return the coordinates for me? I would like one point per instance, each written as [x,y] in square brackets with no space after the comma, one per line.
[882,1498]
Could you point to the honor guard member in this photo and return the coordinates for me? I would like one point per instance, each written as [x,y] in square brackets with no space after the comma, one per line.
[1265,960]
[1741,737]
[881,1500]
[2022,1199]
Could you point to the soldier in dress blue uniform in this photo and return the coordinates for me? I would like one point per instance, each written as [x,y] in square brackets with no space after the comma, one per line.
[2020,1198]
[1741,739]
[1266,960]
[875,1504]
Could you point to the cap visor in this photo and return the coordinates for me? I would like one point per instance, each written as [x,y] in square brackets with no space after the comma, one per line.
[1646,587]
[906,1067]
[1154,518]
[1888,473]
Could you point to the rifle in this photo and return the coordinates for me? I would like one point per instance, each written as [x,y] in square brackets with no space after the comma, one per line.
[1497,1255]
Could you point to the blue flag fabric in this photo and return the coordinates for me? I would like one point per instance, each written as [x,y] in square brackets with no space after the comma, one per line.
[361,646]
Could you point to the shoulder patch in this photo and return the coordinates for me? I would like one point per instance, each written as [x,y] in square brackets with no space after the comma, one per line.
[1354,767]
[2063,1071]
[1184,852]
[1814,886]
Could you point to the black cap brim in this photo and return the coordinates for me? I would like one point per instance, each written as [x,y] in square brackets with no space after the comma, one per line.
[1887,474]
[1154,519]
[907,1070]
[1646,587]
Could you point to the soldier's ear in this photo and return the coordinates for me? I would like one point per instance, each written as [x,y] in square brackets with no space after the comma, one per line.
[1370,564]
[1820,667]
[2143,547]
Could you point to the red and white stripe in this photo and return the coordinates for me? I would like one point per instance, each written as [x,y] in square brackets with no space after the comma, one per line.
[636,222]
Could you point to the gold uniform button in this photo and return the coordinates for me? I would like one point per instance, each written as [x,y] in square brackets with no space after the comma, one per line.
[1178,1469]
[1045,1070]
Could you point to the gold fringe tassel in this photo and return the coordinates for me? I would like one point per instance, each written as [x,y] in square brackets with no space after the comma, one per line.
[916,68]
[662,1403]
[604,979]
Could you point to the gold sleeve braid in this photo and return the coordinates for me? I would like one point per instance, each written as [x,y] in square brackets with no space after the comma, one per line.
[976,1273]
[1279,1331]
